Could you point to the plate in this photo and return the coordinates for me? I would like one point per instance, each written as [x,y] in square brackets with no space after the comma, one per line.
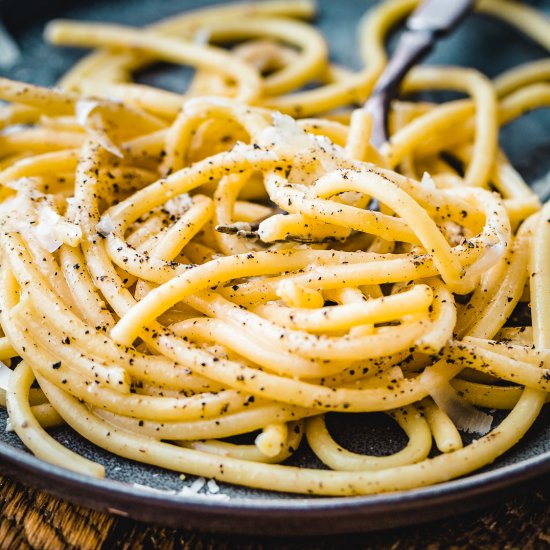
[481,43]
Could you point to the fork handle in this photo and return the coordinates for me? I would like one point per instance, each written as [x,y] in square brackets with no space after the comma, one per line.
[411,48]
[431,20]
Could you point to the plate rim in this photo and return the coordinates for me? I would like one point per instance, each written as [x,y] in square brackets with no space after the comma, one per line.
[263,516]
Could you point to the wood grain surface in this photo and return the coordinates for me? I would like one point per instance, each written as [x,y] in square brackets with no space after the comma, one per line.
[33,519]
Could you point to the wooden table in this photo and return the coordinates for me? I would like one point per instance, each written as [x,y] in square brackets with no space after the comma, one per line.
[33,519]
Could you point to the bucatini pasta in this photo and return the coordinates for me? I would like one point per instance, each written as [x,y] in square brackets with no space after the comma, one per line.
[177,269]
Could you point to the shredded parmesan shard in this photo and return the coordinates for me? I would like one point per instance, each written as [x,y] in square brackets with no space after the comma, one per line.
[46,230]
[83,109]
[197,485]
[5,373]
[194,490]
[179,204]
[105,226]
[150,489]
[52,230]
[464,415]
[284,136]
[427,181]
[493,253]
[212,486]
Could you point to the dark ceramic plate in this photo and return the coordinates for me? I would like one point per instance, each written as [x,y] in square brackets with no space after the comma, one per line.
[482,43]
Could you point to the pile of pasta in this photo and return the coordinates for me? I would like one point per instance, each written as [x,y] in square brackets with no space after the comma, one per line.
[178,269]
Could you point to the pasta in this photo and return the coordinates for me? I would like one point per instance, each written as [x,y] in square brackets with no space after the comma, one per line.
[178,269]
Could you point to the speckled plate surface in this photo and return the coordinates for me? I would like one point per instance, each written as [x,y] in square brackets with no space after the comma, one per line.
[482,43]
